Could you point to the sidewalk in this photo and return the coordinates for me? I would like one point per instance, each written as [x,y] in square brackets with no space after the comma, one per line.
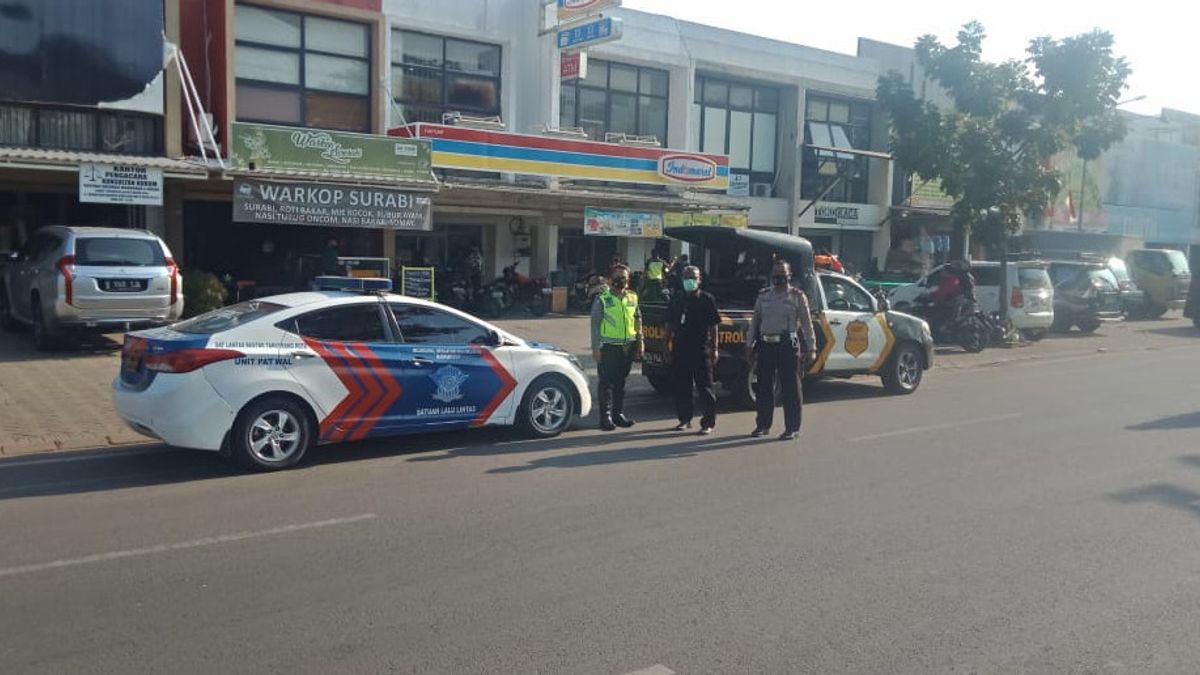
[62,401]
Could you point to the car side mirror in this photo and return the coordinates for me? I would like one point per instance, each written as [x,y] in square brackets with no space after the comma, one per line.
[494,339]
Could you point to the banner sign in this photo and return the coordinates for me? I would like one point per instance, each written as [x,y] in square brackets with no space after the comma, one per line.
[120,184]
[590,34]
[603,222]
[573,66]
[733,220]
[262,147]
[574,10]
[503,152]
[417,282]
[328,205]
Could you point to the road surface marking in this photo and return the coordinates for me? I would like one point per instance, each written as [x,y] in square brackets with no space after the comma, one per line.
[936,427]
[656,669]
[195,543]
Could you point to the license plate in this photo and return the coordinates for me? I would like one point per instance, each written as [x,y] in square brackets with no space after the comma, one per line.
[123,285]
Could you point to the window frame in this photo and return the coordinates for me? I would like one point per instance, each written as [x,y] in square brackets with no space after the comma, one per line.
[851,189]
[607,90]
[302,89]
[754,110]
[292,323]
[391,304]
[445,73]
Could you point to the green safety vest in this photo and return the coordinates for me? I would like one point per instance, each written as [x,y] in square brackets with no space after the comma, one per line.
[654,270]
[618,325]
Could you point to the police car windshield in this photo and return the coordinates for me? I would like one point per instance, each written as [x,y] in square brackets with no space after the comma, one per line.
[227,318]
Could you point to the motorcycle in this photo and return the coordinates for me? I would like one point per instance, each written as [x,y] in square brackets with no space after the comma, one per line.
[585,290]
[532,294]
[968,326]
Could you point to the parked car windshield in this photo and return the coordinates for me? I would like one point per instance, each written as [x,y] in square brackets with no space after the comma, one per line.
[1178,260]
[118,252]
[227,318]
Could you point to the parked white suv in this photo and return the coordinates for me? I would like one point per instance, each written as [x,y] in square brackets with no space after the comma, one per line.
[89,277]
[1030,296]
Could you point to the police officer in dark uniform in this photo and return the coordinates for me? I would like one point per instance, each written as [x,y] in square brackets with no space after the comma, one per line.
[781,335]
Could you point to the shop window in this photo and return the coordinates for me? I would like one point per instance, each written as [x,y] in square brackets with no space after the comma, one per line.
[426,325]
[834,124]
[740,120]
[301,70]
[617,98]
[355,323]
[80,128]
[432,75]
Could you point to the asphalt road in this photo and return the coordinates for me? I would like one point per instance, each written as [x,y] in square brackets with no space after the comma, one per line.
[1038,517]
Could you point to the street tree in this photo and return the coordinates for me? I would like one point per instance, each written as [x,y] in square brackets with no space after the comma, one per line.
[991,149]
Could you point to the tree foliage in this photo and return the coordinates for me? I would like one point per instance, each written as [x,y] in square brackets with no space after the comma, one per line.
[991,150]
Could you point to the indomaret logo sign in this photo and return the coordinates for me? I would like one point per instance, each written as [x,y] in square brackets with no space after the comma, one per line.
[687,168]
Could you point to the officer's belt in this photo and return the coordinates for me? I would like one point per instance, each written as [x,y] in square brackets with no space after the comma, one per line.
[774,339]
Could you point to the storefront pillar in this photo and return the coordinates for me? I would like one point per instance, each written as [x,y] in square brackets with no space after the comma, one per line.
[389,248]
[545,252]
[172,215]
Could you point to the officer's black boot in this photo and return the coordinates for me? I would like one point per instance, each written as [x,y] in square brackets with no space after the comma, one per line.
[618,411]
[605,408]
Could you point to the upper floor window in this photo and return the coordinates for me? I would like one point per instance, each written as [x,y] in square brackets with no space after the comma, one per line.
[33,125]
[617,98]
[835,123]
[433,75]
[302,70]
[740,120]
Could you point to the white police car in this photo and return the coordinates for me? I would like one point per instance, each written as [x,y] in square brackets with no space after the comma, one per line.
[266,379]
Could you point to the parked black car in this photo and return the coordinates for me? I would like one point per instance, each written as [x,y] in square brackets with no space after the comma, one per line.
[1133,299]
[1085,295]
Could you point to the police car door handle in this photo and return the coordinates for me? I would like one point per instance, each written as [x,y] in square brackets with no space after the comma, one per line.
[303,354]
[422,362]
[835,322]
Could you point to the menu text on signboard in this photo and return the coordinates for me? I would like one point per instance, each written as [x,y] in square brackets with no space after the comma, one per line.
[330,205]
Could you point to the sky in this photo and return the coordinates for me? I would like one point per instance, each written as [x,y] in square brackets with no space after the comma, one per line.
[1158,39]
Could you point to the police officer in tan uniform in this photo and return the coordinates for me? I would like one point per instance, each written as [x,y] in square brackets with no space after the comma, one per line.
[781,335]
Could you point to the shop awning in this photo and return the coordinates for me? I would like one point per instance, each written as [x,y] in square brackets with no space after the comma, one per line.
[70,160]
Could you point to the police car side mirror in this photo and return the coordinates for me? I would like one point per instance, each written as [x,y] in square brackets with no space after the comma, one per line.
[493,339]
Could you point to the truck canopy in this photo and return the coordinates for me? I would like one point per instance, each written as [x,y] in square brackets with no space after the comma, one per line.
[737,262]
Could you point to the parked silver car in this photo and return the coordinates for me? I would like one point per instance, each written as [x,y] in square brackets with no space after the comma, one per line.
[89,277]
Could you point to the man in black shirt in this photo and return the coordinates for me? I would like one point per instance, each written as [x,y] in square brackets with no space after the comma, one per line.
[692,320]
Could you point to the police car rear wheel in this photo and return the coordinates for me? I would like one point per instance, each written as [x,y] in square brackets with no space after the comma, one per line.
[548,408]
[903,372]
[271,434]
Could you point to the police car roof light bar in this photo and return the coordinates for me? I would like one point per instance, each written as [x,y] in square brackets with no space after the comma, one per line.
[353,284]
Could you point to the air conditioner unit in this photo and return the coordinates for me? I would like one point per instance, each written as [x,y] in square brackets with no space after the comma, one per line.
[760,189]
[484,122]
[195,142]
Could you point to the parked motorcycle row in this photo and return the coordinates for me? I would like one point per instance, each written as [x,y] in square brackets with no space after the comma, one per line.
[511,293]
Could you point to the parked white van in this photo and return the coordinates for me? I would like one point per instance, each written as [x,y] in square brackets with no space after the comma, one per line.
[1030,295]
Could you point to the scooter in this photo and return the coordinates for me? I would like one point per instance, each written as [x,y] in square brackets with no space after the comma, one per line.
[970,328]
[532,294]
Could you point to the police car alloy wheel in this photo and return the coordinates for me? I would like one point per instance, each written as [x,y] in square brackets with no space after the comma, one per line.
[548,407]
[271,433]
[903,373]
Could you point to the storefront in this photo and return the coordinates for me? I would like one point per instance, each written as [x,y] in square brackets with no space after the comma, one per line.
[295,203]
[847,230]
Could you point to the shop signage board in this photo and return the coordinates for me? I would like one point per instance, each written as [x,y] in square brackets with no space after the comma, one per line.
[573,65]
[120,184]
[927,194]
[739,185]
[330,205]
[682,219]
[590,34]
[863,216]
[263,147]
[574,10]
[610,223]
[418,282]
[503,152]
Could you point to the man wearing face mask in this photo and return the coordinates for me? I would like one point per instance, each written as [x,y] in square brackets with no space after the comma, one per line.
[692,320]
[616,344]
[781,334]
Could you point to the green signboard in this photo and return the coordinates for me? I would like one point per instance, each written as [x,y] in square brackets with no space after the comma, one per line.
[268,148]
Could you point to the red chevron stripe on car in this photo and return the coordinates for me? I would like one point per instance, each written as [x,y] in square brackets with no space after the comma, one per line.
[391,392]
[369,392]
[507,385]
[329,424]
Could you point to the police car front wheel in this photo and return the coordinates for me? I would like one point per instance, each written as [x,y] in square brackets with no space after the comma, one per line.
[548,407]
[271,433]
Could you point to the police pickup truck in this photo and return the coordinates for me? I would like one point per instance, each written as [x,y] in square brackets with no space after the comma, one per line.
[857,334]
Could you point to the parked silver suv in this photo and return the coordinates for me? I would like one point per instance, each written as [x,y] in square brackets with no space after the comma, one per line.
[89,277]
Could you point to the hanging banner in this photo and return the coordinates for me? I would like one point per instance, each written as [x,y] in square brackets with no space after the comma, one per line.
[263,147]
[731,220]
[329,205]
[606,223]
